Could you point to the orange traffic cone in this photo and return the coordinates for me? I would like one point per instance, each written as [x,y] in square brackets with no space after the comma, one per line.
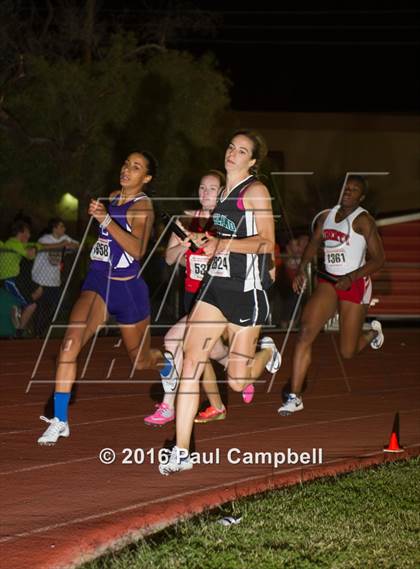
[394,445]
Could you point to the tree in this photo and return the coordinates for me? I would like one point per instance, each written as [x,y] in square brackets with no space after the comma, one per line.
[67,120]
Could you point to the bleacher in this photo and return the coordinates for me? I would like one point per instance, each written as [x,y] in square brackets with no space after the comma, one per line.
[397,286]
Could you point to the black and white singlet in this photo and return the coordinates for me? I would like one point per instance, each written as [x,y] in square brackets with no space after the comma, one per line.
[236,282]
[232,221]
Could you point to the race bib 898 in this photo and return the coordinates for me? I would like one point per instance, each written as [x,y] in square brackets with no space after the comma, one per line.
[100,251]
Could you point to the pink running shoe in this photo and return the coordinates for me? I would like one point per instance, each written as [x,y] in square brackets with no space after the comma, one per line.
[248,393]
[163,414]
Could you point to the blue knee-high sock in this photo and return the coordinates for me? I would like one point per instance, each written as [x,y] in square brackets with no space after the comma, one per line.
[61,404]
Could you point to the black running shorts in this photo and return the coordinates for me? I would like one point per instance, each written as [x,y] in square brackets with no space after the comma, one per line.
[238,307]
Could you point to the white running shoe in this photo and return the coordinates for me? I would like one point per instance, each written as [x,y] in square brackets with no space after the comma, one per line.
[293,403]
[274,363]
[378,340]
[56,430]
[179,460]
[169,381]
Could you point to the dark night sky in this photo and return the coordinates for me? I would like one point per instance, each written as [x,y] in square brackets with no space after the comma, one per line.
[281,58]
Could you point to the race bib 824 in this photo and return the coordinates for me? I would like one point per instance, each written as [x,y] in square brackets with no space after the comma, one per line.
[220,266]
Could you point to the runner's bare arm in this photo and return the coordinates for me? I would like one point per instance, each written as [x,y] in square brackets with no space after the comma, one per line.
[175,250]
[365,225]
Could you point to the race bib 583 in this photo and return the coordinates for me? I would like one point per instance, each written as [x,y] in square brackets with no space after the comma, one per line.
[198,267]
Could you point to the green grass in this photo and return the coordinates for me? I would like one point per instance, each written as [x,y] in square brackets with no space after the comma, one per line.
[368,520]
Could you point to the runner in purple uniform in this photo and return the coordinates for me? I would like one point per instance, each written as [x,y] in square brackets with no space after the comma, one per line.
[113,287]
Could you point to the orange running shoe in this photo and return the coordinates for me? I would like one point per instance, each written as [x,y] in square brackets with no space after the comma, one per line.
[210,414]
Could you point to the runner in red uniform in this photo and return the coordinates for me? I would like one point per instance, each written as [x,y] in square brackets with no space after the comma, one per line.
[199,222]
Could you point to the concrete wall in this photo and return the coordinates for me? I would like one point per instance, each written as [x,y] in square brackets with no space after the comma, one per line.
[332,144]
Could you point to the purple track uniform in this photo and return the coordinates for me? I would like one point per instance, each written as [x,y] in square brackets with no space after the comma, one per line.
[126,300]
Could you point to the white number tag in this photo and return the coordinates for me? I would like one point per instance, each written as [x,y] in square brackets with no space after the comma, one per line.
[198,267]
[336,258]
[220,266]
[100,251]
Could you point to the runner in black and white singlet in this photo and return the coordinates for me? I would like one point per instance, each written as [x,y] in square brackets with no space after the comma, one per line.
[347,232]
[232,296]
[232,272]
[113,286]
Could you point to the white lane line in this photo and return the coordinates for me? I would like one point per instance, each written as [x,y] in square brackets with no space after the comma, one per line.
[263,381]
[235,406]
[224,485]
[313,423]
[222,437]
[97,397]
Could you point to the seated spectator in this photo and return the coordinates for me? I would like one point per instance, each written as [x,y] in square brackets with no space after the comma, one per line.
[46,271]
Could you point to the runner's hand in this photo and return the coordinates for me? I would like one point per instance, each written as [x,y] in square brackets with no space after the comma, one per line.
[212,245]
[344,283]
[97,210]
[183,242]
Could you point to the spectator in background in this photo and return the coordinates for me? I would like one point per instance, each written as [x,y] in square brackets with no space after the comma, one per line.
[16,248]
[294,251]
[46,271]
[8,311]
[26,293]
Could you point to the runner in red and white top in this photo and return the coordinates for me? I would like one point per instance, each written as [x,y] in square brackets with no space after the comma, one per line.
[196,262]
[196,223]
[347,233]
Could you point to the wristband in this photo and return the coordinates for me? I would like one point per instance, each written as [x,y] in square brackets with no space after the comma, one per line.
[106,222]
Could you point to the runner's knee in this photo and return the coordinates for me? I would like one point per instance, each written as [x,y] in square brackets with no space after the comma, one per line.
[193,365]
[70,348]
[307,333]
[71,345]
[236,384]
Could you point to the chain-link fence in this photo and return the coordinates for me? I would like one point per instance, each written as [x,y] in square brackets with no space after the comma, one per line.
[30,290]
[43,291]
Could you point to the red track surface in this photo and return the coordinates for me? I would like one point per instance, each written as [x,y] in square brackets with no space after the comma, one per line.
[60,505]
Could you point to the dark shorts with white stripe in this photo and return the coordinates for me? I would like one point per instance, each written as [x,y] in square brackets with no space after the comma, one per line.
[249,308]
